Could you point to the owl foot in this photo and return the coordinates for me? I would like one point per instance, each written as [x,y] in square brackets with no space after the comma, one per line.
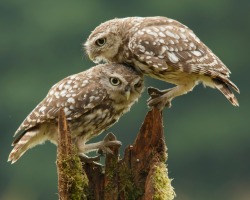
[102,147]
[86,159]
[108,141]
[155,92]
[158,98]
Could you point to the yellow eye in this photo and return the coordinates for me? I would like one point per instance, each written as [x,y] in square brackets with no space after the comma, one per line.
[100,42]
[115,81]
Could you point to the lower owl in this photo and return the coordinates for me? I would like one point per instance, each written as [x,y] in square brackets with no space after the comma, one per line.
[164,49]
[92,100]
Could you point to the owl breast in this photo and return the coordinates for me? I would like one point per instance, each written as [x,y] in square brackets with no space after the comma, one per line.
[95,121]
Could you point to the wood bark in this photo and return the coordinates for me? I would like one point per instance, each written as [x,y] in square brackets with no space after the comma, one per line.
[72,181]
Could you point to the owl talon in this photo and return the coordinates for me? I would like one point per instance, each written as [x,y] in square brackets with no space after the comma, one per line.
[156,92]
[159,102]
[158,98]
[108,141]
[86,159]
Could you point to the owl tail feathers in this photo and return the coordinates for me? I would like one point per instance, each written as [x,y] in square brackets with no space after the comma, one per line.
[24,142]
[224,88]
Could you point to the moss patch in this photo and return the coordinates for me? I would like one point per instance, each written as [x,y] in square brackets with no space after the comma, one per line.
[126,184]
[162,184]
[77,181]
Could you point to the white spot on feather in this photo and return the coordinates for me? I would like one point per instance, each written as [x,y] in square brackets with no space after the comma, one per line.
[141,32]
[67,86]
[163,50]
[141,48]
[71,100]
[57,95]
[150,53]
[182,30]
[162,41]
[42,109]
[69,81]
[85,82]
[183,36]
[63,93]
[172,57]
[191,45]
[196,53]
[162,28]
[162,34]
[170,34]
[67,111]
[171,41]
[60,86]
[72,77]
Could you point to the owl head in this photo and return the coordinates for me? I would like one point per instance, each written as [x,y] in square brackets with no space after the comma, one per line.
[123,84]
[105,40]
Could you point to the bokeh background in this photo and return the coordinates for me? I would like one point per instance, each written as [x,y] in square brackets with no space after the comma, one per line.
[208,139]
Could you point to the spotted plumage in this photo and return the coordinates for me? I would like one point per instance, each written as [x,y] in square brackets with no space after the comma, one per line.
[162,48]
[92,100]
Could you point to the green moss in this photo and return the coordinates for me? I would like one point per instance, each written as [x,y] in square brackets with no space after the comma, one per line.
[127,186]
[111,173]
[77,181]
[163,189]
[161,156]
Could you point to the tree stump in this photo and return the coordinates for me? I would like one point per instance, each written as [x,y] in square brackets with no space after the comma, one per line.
[141,175]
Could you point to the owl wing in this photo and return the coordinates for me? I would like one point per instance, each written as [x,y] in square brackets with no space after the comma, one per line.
[74,94]
[175,45]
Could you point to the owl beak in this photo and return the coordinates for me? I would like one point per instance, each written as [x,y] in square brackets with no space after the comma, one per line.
[127,92]
[92,58]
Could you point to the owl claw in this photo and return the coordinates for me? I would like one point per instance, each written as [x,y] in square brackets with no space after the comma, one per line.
[108,141]
[158,98]
[155,92]
[86,159]
[159,103]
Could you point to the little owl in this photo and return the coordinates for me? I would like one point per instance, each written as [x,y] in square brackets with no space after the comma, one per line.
[92,100]
[164,49]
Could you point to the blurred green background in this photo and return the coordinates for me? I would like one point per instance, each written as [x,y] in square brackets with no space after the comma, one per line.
[208,139]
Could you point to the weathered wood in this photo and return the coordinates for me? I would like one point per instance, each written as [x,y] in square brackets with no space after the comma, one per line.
[95,176]
[63,149]
[71,179]
[111,172]
[145,161]
[149,147]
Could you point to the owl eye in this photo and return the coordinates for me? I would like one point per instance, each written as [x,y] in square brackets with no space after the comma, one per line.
[139,84]
[100,42]
[115,81]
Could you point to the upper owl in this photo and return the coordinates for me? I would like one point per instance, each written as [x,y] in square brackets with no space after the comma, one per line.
[164,49]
